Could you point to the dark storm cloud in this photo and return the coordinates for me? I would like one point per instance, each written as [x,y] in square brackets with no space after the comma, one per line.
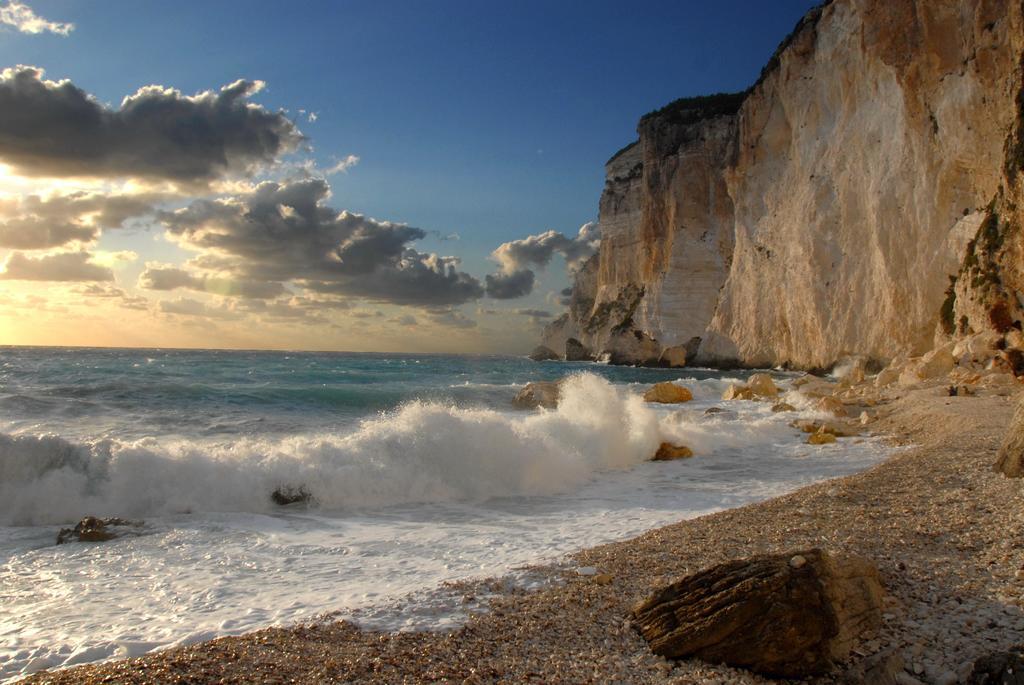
[64,266]
[285,232]
[31,222]
[50,128]
[502,286]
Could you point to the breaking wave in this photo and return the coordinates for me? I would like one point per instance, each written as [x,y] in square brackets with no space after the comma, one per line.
[420,452]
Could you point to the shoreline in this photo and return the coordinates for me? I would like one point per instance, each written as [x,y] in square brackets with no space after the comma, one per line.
[934,518]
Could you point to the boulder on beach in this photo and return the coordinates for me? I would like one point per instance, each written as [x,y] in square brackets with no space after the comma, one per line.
[762,385]
[1010,460]
[575,351]
[1001,668]
[832,405]
[93,529]
[668,393]
[538,394]
[834,428]
[786,615]
[544,354]
[821,438]
[738,392]
[669,452]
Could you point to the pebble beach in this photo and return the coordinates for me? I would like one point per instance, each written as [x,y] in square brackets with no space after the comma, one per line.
[940,525]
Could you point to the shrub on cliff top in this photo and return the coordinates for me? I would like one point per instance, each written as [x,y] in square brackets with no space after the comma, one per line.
[687,111]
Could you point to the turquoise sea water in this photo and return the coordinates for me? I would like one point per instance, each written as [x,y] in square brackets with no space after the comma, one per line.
[137,393]
[420,471]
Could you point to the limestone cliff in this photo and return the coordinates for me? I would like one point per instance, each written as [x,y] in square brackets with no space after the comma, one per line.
[824,212]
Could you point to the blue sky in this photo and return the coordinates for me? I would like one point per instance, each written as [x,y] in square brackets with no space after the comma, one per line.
[490,120]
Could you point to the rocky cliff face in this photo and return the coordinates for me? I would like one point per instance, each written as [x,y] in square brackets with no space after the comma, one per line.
[824,212]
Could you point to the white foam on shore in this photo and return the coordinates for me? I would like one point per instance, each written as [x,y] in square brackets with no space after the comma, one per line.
[425,494]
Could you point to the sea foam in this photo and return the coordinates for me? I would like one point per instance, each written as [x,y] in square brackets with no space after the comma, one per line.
[421,452]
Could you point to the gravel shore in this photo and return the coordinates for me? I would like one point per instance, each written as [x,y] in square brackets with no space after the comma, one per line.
[942,527]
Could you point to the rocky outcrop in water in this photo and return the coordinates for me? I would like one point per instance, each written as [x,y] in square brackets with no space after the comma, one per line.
[538,394]
[93,529]
[864,197]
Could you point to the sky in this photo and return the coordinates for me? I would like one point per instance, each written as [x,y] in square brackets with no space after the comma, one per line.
[364,176]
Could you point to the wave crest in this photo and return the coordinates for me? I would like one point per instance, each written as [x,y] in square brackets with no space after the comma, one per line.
[421,452]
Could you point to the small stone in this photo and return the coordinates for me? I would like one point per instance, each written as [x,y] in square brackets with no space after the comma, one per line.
[586,571]
[797,561]
[602,579]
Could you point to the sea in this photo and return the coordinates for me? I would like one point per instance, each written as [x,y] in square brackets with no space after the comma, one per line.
[418,471]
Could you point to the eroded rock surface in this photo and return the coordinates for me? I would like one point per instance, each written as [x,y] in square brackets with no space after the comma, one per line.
[863,198]
[789,615]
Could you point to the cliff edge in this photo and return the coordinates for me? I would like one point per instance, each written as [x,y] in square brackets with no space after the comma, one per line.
[861,199]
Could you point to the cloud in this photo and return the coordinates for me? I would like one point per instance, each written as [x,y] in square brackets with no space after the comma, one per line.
[23,19]
[33,222]
[502,286]
[50,128]
[289,309]
[515,277]
[341,166]
[404,320]
[537,250]
[533,313]
[110,292]
[166,277]
[62,266]
[184,306]
[450,318]
[363,314]
[285,232]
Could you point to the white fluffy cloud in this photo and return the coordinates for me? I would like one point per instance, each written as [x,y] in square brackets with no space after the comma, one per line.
[517,258]
[22,18]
